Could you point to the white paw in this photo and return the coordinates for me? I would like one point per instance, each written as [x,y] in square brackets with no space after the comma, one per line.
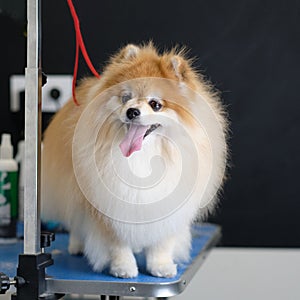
[127,270]
[163,270]
[75,248]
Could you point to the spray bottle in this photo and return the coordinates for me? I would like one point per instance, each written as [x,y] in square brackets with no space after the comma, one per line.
[8,189]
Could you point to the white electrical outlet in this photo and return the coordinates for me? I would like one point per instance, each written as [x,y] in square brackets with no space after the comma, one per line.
[55,92]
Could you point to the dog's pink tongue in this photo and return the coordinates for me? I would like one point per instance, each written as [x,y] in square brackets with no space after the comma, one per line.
[133,139]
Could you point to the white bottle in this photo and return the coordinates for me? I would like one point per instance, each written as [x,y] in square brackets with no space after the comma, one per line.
[8,189]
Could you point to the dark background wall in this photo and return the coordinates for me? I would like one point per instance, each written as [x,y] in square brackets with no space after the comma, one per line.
[250,49]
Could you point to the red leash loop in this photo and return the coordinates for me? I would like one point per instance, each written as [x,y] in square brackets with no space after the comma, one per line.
[79,46]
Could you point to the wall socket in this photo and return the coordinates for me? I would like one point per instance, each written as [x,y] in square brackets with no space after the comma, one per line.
[55,93]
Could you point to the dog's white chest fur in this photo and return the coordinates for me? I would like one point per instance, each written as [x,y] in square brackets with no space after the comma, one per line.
[146,176]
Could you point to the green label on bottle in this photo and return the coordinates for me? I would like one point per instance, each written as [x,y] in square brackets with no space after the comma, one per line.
[8,196]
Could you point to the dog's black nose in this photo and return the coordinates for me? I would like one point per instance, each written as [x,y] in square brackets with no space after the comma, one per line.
[132,113]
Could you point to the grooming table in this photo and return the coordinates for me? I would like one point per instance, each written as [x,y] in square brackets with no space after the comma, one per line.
[72,274]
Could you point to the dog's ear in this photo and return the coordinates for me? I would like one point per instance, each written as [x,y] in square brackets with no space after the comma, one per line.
[180,67]
[127,53]
[130,51]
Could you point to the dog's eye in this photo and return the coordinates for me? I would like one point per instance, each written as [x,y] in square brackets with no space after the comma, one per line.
[126,98]
[156,106]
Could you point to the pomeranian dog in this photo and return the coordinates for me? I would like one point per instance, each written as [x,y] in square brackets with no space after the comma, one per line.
[136,162]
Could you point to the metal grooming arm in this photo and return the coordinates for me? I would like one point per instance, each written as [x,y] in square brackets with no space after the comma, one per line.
[33,77]
[30,280]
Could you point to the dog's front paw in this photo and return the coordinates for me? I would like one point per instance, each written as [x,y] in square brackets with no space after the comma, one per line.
[125,270]
[167,270]
[75,246]
[123,263]
[75,249]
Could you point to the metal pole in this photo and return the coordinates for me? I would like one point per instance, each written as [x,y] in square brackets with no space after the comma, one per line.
[33,80]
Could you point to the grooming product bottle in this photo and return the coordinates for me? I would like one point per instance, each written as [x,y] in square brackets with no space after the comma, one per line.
[8,189]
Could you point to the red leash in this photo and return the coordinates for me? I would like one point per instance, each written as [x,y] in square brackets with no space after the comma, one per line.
[79,46]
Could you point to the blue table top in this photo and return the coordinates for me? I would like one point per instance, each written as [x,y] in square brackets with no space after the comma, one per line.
[69,267]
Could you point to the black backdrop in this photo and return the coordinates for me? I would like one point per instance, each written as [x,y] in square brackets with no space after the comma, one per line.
[250,49]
